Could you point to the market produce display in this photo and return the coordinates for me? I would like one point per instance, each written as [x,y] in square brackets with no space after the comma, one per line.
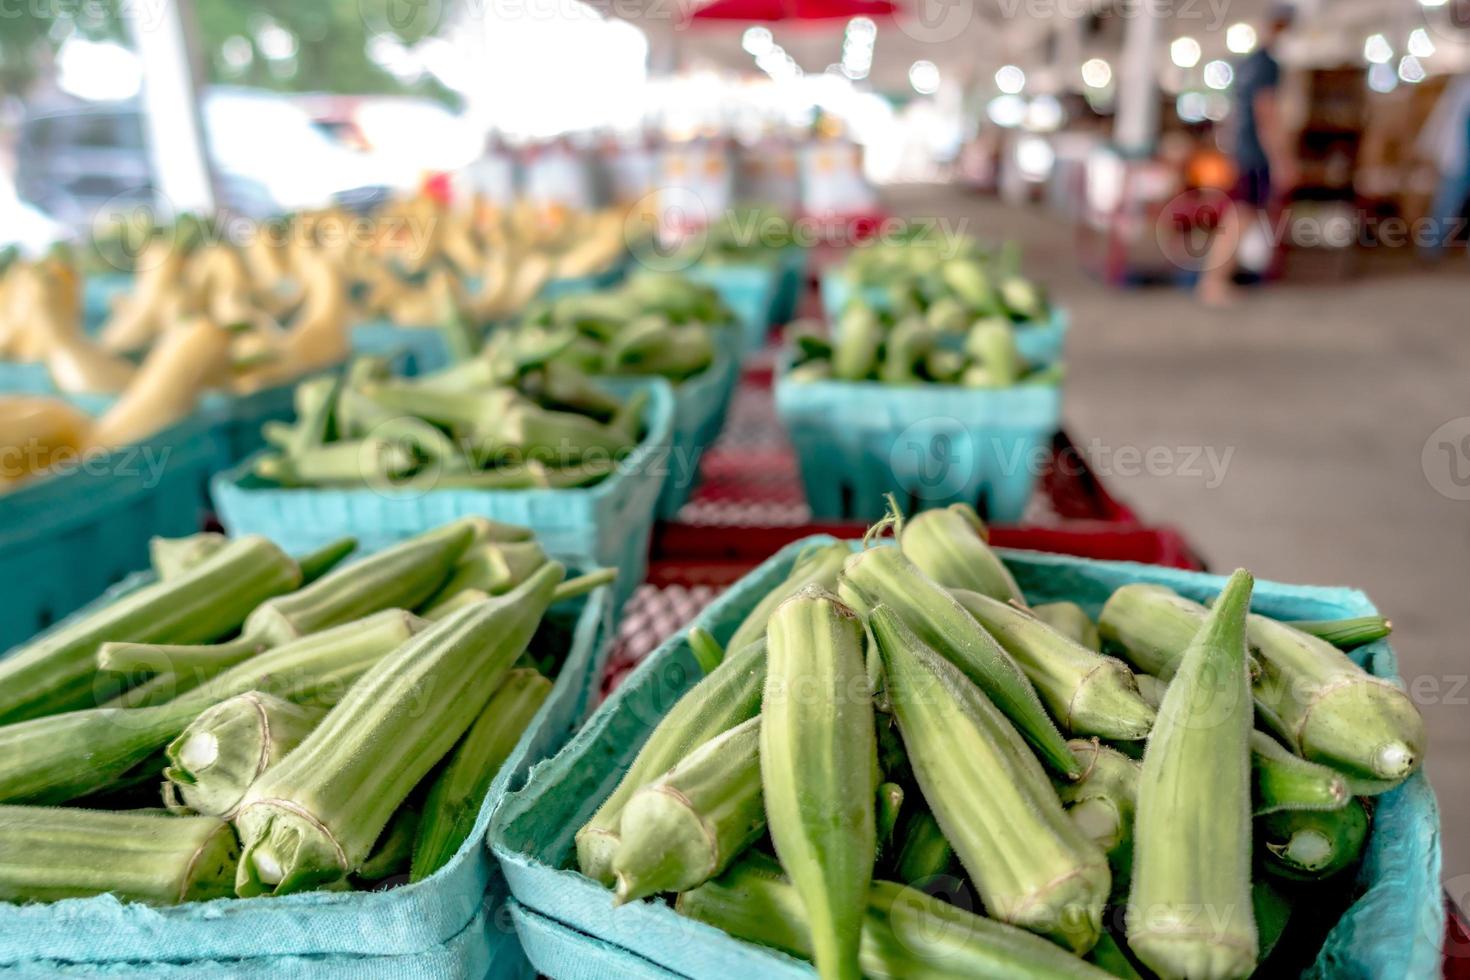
[654,324]
[950,280]
[510,418]
[899,716]
[314,725]
[871,344]
[741,236]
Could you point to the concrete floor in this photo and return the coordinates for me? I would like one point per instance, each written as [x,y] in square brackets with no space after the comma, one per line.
[1325,392]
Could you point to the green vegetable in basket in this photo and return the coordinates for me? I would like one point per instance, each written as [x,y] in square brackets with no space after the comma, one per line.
[214,761]
[56,672]
[1313,844]
[454,801]
[905,933]
[61,757]
[727,696]
[51,853]
[311,820]
[402,576]
[687,825]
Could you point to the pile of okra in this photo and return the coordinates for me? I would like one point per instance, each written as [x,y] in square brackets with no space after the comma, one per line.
[248,723]
[901,768]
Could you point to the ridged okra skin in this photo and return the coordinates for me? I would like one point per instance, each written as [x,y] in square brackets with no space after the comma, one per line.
[66,756]
[884,575]
[905,933]
[819,765]
[1070,620]
[57,672]
[51,853]
[1088,693]
[213,761]
[950,545]
[1282,780]
[726,697]
[1330,710]
[311,820]
[1189,912]
[687,825]
[399,577]
[1307,845]
[454,801]
[1322,705]
[817,565]
[1031,865]
[924,852]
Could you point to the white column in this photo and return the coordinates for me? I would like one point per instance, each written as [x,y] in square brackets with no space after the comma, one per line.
[1136,127]
[163,34]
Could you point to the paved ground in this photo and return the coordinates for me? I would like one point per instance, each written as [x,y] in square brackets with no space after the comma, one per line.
[1324,393]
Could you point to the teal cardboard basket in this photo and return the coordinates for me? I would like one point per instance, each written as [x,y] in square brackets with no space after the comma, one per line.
[748,290]
[700,404]
[237,419]
[1393,928]
[608,524]
[65,538]
[418,350]
[1040,344]
[98,294]
[451,924]
[787,299]
[930,445]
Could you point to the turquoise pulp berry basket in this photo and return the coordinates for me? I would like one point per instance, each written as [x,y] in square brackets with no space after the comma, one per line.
[451,924]
[608,524]
[66,537]
[930,445]
[570,928]
[748,290]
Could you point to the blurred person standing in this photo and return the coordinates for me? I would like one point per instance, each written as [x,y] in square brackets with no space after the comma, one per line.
[1265,162]
[1445,139]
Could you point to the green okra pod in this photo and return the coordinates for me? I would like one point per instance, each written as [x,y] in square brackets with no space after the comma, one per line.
[1031,865]
[393,850]
[951,546]
[1321,704]
[1282,780]
[51,853]
[399,577]
[1345,633]
[1189,911]
[883,575]
[706,649]
[58,672]
[817,564]
[925,851]
[687,825]
[1088,693]
[65,756]
[818,762]
[905,933]
[1069,619]
[458,794]
[726,697]
[1313,844]
[213,761]
[311,820]
[1102,802]
[171,557]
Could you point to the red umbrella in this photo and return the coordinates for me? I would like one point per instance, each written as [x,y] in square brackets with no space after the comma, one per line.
[793,10]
